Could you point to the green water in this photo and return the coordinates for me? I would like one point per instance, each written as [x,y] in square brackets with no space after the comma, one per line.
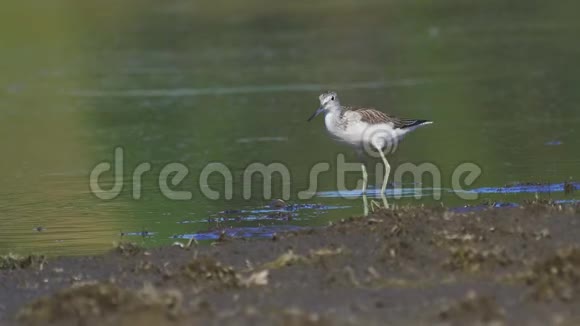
[234,82]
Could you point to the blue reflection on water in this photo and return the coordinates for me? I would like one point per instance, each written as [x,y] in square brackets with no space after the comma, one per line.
[408,192]
[241,232]
[292,212]
[527,188]
[286,213]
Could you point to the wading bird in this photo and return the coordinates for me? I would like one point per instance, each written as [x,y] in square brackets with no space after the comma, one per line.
[368,130]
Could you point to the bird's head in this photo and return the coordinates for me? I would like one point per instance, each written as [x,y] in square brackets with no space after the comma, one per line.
[328,101]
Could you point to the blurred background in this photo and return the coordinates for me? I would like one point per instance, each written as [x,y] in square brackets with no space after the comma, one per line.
[234,81]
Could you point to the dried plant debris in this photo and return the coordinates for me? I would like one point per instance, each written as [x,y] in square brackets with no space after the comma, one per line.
[208,270]
[257,278]
[394,249]
[290,258]
[12,261]
[473,309]
[286,259]
[326,252]
[557,277]
[462,237]
[82,303]
[471,259]
[295,316]
[128,248]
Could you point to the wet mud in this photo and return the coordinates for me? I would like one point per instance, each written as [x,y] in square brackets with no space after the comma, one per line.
[408,266]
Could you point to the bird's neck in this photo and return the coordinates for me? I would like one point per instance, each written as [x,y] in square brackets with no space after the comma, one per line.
[335,109]
[333,117]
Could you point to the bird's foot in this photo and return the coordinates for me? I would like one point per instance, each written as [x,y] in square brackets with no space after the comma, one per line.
[376,205]
[380,205]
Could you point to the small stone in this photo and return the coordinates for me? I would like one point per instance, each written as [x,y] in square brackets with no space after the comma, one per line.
[278,203]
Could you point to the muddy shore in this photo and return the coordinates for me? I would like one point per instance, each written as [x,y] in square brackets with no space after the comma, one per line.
[410,266]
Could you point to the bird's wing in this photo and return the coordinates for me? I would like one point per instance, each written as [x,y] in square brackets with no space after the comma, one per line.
[374,116]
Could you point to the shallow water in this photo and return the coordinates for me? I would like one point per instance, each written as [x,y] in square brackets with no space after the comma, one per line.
[194,84]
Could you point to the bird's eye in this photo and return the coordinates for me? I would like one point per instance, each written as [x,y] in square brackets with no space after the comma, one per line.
[332,98]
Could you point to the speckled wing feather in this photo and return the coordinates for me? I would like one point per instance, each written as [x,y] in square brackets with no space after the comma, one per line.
[374,116]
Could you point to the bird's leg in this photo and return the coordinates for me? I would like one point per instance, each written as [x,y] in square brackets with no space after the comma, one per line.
[364,189]
[365,178]
[387,172]
[375,204]
[384,186]
[365,205]
[365,182]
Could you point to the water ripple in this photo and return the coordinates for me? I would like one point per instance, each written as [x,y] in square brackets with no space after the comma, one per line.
[184,92]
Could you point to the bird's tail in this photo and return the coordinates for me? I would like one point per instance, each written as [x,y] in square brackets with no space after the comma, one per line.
[418,123]
[414,124]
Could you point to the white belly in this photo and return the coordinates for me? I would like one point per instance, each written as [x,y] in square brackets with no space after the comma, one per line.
[359,134]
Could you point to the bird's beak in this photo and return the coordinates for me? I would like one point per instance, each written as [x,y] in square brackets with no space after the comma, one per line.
[317,112]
